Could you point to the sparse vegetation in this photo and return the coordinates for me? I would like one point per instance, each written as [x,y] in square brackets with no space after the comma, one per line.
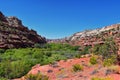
[36,77]
[93,60]
[77,67]
[97,78]
[3,79]
[107,49]
[86,50]
[110,61]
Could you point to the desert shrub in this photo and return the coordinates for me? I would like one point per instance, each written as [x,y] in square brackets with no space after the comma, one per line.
[13,70]
[36,77]
[78,56]
[98,78]
[86,50]
[77,67]
[3,78]
[57,57]
[38,54]
[114,68]
[109,61]
[107,49]
[93,60]
[48,53]
[5,69]
[96,49]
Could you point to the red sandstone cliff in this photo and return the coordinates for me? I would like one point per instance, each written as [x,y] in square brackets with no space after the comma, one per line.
[13,34]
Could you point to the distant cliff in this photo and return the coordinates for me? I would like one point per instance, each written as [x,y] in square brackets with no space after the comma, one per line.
[92,37]
[13,34]
[97,36]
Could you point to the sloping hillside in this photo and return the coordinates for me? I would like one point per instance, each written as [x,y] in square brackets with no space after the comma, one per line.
[13,34]
[91,37]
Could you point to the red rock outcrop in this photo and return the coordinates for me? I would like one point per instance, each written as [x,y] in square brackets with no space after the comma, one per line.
[13,34]
[93,37]
[97,36]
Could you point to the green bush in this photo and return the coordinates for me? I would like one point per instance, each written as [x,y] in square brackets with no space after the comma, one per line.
[77,67]
[93,60]
[3,79]
[86,50]
[58,57]
[109,61]
[107,49]
[13,70]
[36,77]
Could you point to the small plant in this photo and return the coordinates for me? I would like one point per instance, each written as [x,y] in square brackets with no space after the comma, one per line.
[109,61]
[93,60]
[36,77]
[97,78]
[77,67]
[114,68]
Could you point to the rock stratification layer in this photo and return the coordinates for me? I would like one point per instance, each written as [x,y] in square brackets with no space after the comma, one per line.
[13,34]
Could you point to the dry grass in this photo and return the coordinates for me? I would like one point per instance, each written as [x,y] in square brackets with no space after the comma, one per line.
[114,68]
[98,78]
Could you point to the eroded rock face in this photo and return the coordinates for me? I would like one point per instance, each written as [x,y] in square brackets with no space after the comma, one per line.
[13,34]
[97,36]
[91,36]
[15,22]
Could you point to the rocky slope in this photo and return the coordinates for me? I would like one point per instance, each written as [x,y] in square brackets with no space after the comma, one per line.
[93,37]
[112,30]
[98,36]
[63,70]
[13,34]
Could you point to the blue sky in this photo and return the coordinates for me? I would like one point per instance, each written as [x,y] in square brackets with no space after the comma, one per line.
[61,18]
